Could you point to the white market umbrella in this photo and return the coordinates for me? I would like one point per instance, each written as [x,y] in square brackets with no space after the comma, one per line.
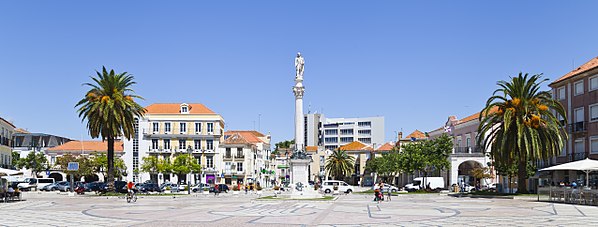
[9,172]
[587,165]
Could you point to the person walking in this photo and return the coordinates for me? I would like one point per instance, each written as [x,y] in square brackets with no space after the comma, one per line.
[216,190]
[388,194]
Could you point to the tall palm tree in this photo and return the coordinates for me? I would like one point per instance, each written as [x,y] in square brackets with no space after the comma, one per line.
[518,125]
[340,164]
[110,110]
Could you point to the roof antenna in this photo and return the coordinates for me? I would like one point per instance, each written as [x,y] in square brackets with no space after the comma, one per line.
[309,108]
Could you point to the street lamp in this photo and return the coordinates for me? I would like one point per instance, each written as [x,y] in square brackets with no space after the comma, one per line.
[189,174]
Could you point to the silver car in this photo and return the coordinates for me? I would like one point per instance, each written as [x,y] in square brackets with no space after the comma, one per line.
[63,186]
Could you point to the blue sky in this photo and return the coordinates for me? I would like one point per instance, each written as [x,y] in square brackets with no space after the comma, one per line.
[415,63]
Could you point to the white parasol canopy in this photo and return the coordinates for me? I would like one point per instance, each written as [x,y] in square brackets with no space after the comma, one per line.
[9,172]
[587,165]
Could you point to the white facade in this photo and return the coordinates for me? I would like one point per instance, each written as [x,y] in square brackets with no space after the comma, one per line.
[170,129]
[245,156]
[335,132]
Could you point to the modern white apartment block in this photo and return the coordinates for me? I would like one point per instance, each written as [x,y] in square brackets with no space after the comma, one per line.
[335,132]
[246,158]
[169,129]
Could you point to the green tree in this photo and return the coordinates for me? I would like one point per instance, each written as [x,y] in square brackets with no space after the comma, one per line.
[36,161]
[150,165]
[110,111]
[15,159]
[185,164]
[427,156]
[481,173]
[86,167]
[99,163]
[517,124]
[339,164]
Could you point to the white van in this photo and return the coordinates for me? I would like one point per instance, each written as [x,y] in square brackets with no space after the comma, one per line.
[42,182]
[328,186]
[418,183]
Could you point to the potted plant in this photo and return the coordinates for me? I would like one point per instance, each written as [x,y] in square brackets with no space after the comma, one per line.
[206,190]
[236,190]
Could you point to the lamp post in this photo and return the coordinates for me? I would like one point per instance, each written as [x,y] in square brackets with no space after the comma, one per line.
[189,174]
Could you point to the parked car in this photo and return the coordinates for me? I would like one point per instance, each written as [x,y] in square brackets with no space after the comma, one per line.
[96,186]
[120,186]
[199,187]
[388,187]
[149,187]
[50,187]
[221,188]
[329,185]
[490,187]
[182,187]
[63,186]
[28,184]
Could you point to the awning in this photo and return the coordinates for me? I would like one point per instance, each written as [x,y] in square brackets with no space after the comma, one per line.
[282,166]
[9,172]
[587,165]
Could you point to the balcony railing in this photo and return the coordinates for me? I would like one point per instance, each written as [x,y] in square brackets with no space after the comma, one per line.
[469,150]
[462,150]
[578,127]
[239,156]
[228,156]
[579,156]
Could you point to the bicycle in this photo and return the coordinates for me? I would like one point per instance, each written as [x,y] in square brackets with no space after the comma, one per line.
[131,196]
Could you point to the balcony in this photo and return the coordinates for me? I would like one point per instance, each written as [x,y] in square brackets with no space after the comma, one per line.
[228,156]
[579,156]
[462,150]
[468,151]
[240,156]
[578,127]
[175,132]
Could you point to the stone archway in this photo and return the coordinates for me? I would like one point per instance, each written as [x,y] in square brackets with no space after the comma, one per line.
[465,174]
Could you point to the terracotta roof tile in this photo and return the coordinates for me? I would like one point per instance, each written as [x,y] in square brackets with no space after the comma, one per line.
[386,147]
[416,134]
[475,116]
[593,63]
[251,137]
[175,108]
[355,146]
[89,146]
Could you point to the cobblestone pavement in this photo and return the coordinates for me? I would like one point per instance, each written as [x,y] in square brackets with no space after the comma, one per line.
[50,209]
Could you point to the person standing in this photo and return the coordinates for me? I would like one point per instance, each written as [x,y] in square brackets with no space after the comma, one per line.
[388,194]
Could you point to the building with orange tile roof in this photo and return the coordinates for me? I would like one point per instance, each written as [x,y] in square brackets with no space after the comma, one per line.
[577,92]
[168,129]
[246,158]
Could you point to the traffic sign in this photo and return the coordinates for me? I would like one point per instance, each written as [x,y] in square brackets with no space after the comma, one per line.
[73,166]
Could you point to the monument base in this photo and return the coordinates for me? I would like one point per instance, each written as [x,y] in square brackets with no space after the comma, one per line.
[299,180]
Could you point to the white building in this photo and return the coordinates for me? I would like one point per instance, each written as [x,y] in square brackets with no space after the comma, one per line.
[246,157]
[168,129]
[335,132]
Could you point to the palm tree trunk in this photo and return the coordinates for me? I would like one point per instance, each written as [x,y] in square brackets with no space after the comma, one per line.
[110,155]
[522,176]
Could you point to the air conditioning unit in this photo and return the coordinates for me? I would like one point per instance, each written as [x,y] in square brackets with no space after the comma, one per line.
[210,133]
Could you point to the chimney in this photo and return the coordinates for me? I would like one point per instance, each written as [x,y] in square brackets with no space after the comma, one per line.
[399,136]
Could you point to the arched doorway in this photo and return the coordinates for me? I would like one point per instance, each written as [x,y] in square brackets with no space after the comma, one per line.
[465,175]
[92,178]
[57,177]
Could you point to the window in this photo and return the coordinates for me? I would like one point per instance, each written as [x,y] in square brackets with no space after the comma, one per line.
[593,83]
[468,141]
[365,140]
[210,161]
[560,118]
[594,144]
[210,127]
[197,127]
[365,132]
[182,144]
[579,146]
[458,142]
[579,115]
[331,132]
[184,109]
[227,165]
[166,144]
[594,112]
[156,127]
[331,140]
[579,87]
[210,144]
[364,124]
[228,154]
[561,92]
[240,167]
[197,144]
[346,139]
[183,127]
[154,143]
[167,127]
[346,131]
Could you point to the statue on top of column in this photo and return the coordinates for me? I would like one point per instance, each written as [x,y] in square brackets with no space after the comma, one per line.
[299,66]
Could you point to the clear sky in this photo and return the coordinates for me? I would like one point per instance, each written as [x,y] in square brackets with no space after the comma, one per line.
[415,63]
